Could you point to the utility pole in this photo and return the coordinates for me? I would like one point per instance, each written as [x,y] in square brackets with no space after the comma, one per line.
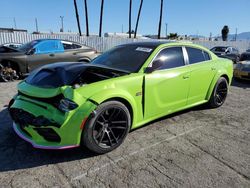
[14,20]
[62,29]
[159,28]
[210,36]
[36,25]
[77,18]
[122,28]
[130,9]
[86,17]
[166,24]
[236,33]
[138,18]
[101,15]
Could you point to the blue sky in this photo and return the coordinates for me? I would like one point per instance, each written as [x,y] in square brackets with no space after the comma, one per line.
[183,16]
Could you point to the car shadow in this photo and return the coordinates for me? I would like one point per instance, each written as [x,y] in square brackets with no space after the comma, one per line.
[240,83]
[16,154]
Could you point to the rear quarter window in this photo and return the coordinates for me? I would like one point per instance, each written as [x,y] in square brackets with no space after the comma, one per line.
[196,55]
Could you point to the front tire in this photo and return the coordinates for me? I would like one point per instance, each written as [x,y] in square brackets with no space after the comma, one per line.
[107,128]
[219,94]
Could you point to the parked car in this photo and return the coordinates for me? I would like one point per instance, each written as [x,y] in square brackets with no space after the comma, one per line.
[227,52]
[242,69]
[36,53]
[9,47]
[97,104]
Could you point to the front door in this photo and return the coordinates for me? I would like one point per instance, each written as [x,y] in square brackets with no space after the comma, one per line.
[166,89]
[45,52]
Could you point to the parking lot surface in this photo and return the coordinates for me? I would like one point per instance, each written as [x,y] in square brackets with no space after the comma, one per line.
[199,147]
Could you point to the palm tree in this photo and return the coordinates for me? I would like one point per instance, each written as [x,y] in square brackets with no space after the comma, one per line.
[224,33]
[130,10]
[86,17]
[100,27]
[77,18]
[138,18]
[159,28]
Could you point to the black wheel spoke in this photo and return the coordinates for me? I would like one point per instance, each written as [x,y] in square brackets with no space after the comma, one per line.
[102,136]
[113,135]
[117,127]
[109,138]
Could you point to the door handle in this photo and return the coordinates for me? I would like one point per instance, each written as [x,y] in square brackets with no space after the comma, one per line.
[74,53]
[213,68]
[185,77]
[51,55]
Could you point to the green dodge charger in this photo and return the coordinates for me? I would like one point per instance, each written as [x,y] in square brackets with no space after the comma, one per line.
[65,105]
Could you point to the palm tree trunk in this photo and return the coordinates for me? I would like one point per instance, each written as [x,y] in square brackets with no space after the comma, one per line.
[138,18]
[86,17]
[159,28]
[77,18]
[100,27]
[130,9]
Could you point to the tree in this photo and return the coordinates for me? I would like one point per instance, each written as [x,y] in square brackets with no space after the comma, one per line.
[224,33]
[77,18]
[173,36]
[86,17]
[129,24]
[138,18]
[159,28]
[101,15]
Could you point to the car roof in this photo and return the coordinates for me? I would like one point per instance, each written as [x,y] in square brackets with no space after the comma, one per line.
[155,44]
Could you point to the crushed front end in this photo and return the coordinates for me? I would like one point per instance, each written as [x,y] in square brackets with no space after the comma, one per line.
[49,118]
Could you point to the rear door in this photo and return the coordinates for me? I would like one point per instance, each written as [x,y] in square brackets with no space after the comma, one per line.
[202,71]
[166,89]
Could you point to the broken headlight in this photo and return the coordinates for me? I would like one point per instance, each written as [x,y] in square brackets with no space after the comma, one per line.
[67,105]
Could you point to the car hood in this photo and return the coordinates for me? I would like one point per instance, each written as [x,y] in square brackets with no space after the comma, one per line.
[70,73]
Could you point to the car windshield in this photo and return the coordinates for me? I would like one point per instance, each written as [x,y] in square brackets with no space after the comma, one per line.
[245,57]
[128,58]
[26,47]
[219,49]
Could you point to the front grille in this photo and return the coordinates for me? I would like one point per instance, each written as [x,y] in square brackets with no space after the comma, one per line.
[48,134]
[24,118]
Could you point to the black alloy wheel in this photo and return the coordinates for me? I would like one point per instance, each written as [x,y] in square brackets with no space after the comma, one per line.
[107,129]
[219,94]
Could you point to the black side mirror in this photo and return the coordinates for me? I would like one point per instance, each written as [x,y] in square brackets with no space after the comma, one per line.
[155,65]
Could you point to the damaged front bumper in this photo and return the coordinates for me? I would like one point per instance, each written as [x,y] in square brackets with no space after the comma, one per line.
[39,120]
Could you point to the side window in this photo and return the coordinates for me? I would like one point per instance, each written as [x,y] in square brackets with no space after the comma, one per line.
[206,56]
[67,45]
[49,46]
[197,55]
[170,58]
[75,46]
[70,45]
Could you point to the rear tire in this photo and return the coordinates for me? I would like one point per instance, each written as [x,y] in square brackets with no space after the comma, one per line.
[219,94]
[107,128]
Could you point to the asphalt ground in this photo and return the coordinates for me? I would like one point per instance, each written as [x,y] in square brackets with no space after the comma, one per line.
[199,147]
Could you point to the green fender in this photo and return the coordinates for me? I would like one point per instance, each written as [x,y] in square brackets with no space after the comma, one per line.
[109,94]
[219,74]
